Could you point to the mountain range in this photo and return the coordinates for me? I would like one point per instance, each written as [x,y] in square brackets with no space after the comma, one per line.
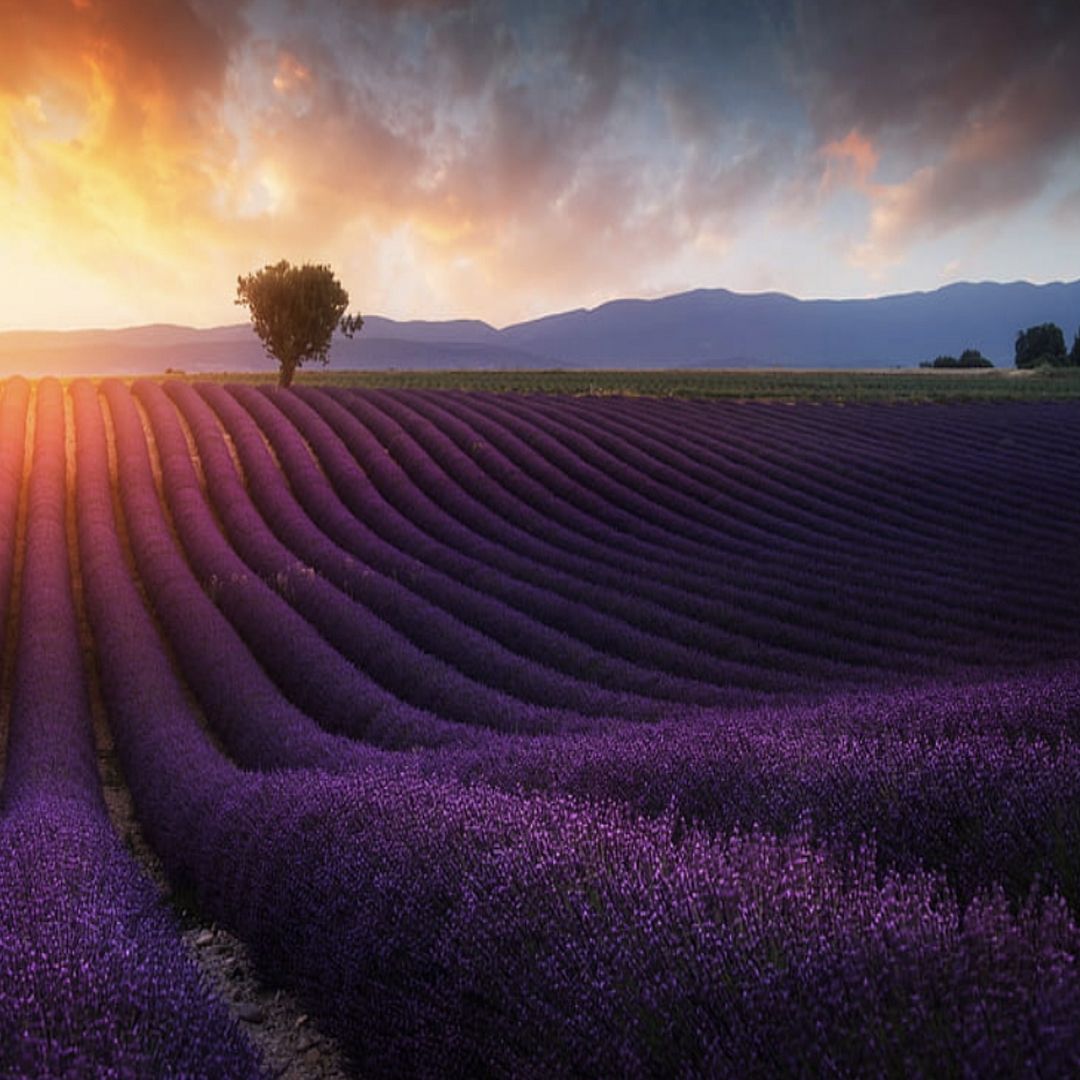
[703,328]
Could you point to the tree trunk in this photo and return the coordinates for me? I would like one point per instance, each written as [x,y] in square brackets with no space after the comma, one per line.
[286,373]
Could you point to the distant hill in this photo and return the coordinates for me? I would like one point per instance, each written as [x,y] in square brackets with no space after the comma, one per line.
[716,327]
[704,328]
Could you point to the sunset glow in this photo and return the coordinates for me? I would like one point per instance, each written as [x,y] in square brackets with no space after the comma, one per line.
[502,160]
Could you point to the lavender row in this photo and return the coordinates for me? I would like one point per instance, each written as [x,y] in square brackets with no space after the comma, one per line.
[777,575]
[311,641]
[873,431]
[94,979]
[796,447]
[613,489]
[757,473]
[13,407]
[791,554]
[351,534]
[980,781]
[778,779]
[860,449]
[248,712]
[740,498]
[453,637]
[451,930]
[612,475]
[862,516]
[516,511]
[605,618]
[721,503]
[925,455]
[907,768]
[817,617]
[611,525]
[50,747]
[987,549]
[583,598]
[967,542]
[982,615]
[430,586]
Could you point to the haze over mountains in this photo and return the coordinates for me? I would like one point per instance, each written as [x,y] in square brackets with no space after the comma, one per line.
[703,328]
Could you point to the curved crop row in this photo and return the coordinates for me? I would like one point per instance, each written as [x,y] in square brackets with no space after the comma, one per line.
[605,607]
[851,561]
[94,979]
[257,724]
[887,466]
[499,933]
[845,633]
[316,616]
[760,593]
[428,575]
[692,895]
[955,605]
[448,637]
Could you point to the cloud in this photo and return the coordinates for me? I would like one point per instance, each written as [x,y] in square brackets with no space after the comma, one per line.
[158,143]
[848,162]
[522,155]
[978,101]
[992,166]
[113,127]
[1067,211]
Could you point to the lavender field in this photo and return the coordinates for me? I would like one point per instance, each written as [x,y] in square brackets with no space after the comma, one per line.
[525,735]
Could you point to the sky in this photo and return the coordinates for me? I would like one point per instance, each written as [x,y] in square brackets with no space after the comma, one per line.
[504,160]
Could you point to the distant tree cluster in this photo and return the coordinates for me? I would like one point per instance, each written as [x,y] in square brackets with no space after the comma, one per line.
[1044,346]
[969,358]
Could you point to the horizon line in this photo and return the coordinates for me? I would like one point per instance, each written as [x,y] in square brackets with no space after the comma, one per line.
[209,327]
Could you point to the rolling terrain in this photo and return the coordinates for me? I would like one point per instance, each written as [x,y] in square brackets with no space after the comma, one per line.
[542,735]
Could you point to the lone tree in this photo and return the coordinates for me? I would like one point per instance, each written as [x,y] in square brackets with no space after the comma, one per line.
[1074,354]
[295,310]
[1040,345]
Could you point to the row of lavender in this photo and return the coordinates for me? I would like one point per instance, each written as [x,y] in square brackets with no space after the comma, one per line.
[94,980]
[862,764]
[448,927]
[951,597]
[948,758]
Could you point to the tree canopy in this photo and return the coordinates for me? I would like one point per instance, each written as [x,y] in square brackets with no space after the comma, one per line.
[1040,346]
[295,311]
[969,358]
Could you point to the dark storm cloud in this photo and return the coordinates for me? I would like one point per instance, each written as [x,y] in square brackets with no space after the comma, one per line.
[927,68]
[978,100]
[972,104]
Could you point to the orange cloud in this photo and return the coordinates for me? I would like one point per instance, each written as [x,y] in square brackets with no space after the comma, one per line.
[291,74]
[850,161]
[996,163]
[110,135]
